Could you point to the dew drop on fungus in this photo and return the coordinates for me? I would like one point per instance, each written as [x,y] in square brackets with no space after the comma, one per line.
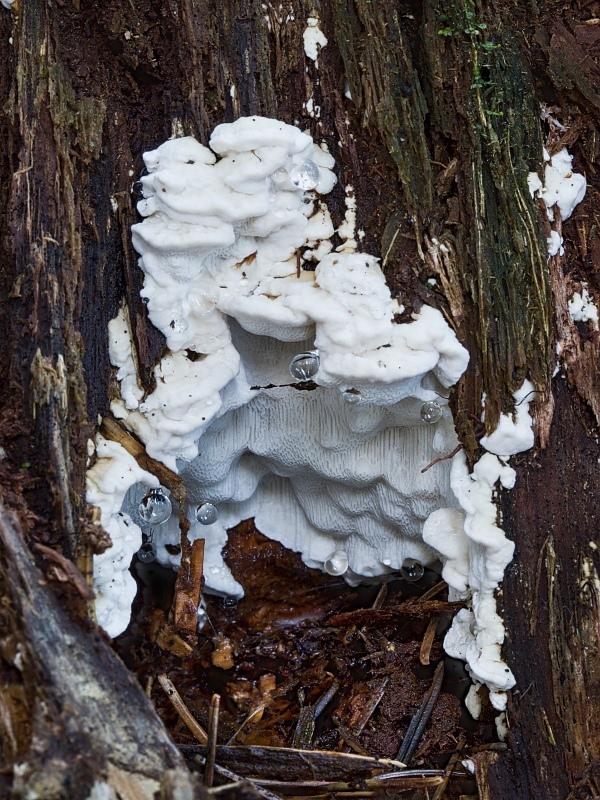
[305,366]
[155,508]
[207,514]
[351,396]
[146,553]
[412,570]
[337,563]
[204,298]
[280,175]
[305,175]
[431,412]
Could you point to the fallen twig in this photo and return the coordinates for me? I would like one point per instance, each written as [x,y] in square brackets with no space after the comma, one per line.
[432,592]
[420,719]
[253,718]
[456,450]
[450,768]
[407,779]
[377,603]
[428,638]
[415,608]
[188,586]
[114,431]
[194,727]
[378,691]
[231,776]
[308,716]
[213,730]
[350,739]
[287,764]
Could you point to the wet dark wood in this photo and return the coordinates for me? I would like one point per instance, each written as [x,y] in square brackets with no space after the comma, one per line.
[90,704]
[297,765]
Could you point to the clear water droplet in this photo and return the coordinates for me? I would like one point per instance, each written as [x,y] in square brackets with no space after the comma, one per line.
[412,570]
[305,366]
[337,563]
[280,175]
[215,570]
[146,553]
[179,324]
[305,175]
[207,514]
[351,396]
[155,508]
[386,562]
[202,618]
[230,602]
[204,297]
[244,281]
[431,412]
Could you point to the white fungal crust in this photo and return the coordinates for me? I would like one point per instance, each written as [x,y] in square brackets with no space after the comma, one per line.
[332,469]
[514,433]
[562,188]
[108,481]
[314,39]
[582,307]
[476,635]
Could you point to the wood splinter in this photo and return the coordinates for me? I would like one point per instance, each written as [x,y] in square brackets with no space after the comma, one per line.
[213,730]
[184,713]
[188,586]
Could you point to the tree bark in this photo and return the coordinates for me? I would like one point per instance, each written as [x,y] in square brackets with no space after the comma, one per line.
[442,127]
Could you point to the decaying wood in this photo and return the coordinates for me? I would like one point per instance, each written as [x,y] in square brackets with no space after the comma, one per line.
[68,570]
[188,587]
[287,763]
[82,687]
[175,698]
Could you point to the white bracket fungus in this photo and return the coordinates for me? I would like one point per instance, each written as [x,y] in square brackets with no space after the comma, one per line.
[334,470]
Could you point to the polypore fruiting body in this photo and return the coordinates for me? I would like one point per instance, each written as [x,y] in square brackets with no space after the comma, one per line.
[333,471]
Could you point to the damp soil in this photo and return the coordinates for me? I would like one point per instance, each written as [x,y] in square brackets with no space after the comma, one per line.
[301,643]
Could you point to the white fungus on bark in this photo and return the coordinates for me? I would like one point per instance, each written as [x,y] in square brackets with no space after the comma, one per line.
[314,39]
[240,276]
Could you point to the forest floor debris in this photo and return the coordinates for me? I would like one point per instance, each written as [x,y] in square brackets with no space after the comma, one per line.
[327,688]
